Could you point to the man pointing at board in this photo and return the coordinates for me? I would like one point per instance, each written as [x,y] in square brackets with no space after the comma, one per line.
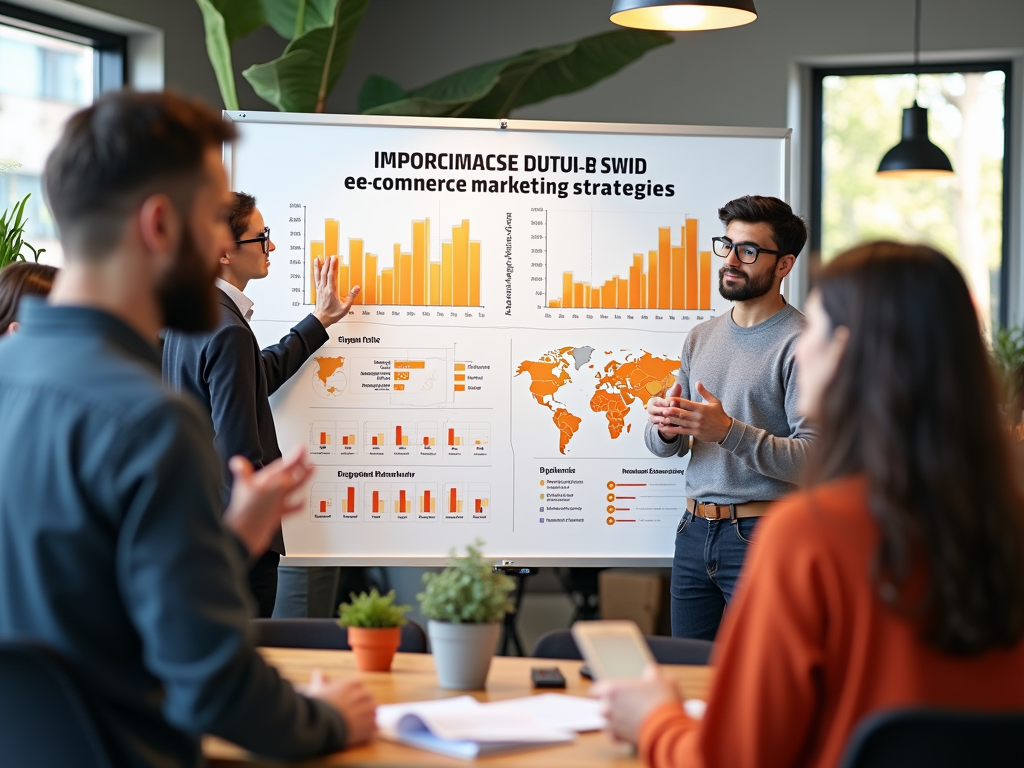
[233,378]
[733,409]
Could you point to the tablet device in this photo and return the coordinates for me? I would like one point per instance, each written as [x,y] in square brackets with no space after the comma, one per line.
[614,650]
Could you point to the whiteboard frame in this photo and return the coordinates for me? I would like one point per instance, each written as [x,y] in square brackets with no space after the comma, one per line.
[476,124]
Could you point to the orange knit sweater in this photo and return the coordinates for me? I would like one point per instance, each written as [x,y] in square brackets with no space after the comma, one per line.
[807,649]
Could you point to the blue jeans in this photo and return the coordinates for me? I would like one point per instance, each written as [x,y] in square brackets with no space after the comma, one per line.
[708,558]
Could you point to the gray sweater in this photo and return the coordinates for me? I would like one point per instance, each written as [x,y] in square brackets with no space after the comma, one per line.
[753,373]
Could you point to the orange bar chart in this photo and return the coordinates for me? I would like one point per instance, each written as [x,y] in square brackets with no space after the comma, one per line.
[675,276]
[413,279]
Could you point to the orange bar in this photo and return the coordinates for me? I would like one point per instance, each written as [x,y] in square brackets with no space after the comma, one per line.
[678,300]
[398,435]
[419,263]
[595,297]
[588,302]
[460,377]
[316,251]
[426,502]
[343,283]
[331,237]
[555,303]
[608,294]
[567,290]
[323,438]
[476,503]
[635,302]
[577,295]
[373,440]
[452,505]
[460,366]
[355,267]
[405,280]
[344,440]
[410,364]
[451,436]
[691,264]
[447,266]
[370,289]
[460,253]
[376,502]
[666,275]
[474,273]
[387,286]
[643,291]
[460,387]
[652,280]
[351,499]
[435,283]
[622,286]
[323,507]
[705,280]
[401,501]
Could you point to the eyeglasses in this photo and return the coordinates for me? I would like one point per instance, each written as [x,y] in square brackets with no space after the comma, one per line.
[264,239]
[745,252]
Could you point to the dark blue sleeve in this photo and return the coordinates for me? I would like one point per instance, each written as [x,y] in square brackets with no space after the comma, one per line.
[182,582]
[281,361]
[229,369]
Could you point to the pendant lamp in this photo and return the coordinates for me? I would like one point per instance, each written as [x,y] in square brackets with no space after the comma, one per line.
[682,15]
[915,157]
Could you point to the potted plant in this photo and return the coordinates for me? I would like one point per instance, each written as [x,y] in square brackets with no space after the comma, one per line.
[374,625]
[464,605]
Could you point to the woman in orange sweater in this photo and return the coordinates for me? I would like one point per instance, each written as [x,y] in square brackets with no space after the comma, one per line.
[897,578]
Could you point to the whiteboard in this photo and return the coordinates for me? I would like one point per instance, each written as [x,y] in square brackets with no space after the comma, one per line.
[527,286]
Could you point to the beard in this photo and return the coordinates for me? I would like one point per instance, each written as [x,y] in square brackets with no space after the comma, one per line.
[750,288]
[186,295]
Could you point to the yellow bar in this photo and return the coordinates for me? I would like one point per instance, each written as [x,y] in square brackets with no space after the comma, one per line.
[343,281]
[555,303]
[426,260]
[397,264]
[608,294]
[460,366]
[691,264]
[577,295]
[370,289]
[316,251]
[705,280]
[460,252]
[643,291]
[331,237]
[652,280]
[474,273]
[419,263]
[624,291]
[435,283]
[678,276]
[665,273]
[446,274]
[387,286]
[405,280]
[567,290]
[587,301]
[635,272]
[355,267]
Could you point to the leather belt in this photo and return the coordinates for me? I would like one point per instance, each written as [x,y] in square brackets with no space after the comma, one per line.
[727,511]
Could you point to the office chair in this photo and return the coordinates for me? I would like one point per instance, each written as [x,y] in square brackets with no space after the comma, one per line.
[935,738]
[325,634]
[45,721]
[558,644]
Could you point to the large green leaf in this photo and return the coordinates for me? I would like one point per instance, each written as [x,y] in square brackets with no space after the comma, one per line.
[376,91]
[294,18]
[302,78]
[496,88]
[219,50]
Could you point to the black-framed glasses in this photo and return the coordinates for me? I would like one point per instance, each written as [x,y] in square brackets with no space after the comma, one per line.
[264,239]
[745,252]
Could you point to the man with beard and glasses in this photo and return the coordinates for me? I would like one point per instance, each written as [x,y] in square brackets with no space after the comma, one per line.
[233,379]
[733,409]
[115,550]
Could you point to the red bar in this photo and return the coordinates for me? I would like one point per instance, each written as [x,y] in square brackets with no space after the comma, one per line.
[351,499]
[323,438]
[426,441]
[401,502]
[451,437]
[452,506]
[323,507]
[373,440]
[398,435]
[344,439]
[376,502]
[426,501]
[479,509]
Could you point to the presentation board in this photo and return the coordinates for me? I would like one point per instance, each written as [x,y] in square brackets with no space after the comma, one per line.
[526,289]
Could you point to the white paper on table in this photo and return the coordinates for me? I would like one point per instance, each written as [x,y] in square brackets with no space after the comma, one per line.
[558,710]
[388,715]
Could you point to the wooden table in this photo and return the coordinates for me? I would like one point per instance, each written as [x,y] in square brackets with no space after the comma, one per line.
[412,678]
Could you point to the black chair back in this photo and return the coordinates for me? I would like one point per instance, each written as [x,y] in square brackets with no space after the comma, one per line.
[44,718]
[558,644]
[325,634]
[932,738]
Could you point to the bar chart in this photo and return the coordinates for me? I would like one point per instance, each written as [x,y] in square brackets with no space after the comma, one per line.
[463,438]
[672,276]
[388,438]
[333,437]
[414,279]
[329,503]
[467,501]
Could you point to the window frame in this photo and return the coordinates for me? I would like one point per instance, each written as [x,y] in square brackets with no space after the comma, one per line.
[818,74]
[110,58]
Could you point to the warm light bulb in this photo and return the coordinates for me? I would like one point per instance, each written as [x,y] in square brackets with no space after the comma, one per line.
[684,16]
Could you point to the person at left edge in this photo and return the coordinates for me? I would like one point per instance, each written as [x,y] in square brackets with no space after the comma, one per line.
[233,378]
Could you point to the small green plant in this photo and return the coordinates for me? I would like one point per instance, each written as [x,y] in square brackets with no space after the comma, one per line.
[467,591]
[12,231]
[372,611]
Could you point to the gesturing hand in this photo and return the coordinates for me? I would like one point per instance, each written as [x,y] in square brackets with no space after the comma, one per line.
[329,306]
[260,499]
[353,701]
[674,415]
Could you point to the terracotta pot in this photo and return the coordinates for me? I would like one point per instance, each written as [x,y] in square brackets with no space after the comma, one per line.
[374,649]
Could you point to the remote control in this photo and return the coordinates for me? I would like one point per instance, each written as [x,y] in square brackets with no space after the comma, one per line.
[549,677]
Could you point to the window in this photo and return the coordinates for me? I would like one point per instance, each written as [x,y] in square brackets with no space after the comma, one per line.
[49,68]
[857,118]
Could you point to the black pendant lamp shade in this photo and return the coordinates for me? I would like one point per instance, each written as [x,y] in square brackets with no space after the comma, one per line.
[682,15]
[915,157]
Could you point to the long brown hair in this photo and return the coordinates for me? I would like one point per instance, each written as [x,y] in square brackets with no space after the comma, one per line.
[22,278]
[913,406]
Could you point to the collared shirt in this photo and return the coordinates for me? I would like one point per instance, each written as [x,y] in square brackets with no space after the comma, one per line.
[243,302]
[112,552]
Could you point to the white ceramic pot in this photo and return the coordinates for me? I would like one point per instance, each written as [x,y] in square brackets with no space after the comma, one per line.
[462,652]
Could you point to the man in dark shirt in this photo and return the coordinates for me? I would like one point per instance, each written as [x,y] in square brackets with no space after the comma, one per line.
[233,379]
[113,550]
